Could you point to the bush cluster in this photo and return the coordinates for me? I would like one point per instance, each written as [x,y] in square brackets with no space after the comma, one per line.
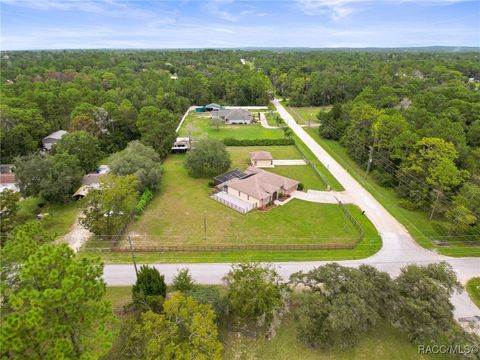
[258,142]
[144,200]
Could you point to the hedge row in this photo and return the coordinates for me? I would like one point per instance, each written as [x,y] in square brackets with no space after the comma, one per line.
[146,197]
[258,142]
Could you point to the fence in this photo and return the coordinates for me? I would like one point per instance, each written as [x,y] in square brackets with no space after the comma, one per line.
[314,168]
[350,217]
[229,247]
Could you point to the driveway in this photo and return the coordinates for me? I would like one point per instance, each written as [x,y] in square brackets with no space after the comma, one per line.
[263,121]
[289,162]
[398,249]
[324,197]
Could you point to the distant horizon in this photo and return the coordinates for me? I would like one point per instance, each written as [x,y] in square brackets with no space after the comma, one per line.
[227,24]
[256,48]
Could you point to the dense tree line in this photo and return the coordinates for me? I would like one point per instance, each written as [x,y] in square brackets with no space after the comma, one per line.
[420,128]
[117,96]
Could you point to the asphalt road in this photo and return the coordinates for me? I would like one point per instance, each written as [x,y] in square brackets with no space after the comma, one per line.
[398,249]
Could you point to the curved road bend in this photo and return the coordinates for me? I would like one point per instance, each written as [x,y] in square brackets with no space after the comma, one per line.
[398,250]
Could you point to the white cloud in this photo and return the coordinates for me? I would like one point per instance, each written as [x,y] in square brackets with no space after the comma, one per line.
[339,9]
[216,8]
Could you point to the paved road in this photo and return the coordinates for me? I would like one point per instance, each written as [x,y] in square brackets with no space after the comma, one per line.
[398,250]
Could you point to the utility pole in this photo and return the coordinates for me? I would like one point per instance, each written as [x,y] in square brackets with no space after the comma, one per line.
[370,159]
[205,227]
[434,205]
[133,254]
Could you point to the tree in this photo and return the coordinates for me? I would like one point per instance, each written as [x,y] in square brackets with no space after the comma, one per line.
[183,281]
[139,160]
[22,242]
[29,172]
[62,179]
[157,128]
[423,307]
[149,289]
[57,311]
[107,210]
[207,158]
[186,330]
[8,211]
[432,163]
[82,145]
[84,123]
[339,304]
[255,293]
[54,178]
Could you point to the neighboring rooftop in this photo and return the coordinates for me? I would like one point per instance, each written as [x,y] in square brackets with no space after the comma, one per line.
[7,178]
[57,135]
[261,155]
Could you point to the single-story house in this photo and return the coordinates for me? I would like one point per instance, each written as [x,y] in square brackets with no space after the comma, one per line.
[233,116]
[258,188]
[212,107]
[89,182]
[8,182]
[182,145]
[52,139]
[261,159]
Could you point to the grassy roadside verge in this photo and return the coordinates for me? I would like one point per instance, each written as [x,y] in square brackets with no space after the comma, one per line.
[416,222]
[473,289]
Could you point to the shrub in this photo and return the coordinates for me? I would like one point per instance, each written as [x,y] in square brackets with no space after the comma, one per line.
[183,281]
[150,288]
[145,199]
[406,204]
[300,186]
[258,142]
[209,295]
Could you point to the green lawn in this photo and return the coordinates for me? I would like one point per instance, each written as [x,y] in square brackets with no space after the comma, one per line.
[240,155]
[60,220]
[327,175]
[302,173]
[473,289]
[178,214]
[308,113]
[416,222]
[271,118]
[119,296]
[202,123]
[383,342]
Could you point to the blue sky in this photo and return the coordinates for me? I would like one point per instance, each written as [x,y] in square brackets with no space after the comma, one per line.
[67,24]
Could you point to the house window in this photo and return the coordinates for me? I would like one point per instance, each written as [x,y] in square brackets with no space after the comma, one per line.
[248,197]
[239,193]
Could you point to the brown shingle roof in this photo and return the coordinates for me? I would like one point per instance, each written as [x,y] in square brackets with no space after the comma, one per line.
[7,178]
[261,184]
[261,155]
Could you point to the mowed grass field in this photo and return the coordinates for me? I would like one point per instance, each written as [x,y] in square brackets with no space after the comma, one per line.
[179,213]
[307,114]
[240,156]
[203,124]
